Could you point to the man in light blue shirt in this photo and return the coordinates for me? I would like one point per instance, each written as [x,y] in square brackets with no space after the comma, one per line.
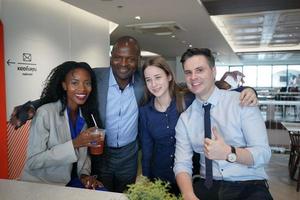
[238,148]
[121,120]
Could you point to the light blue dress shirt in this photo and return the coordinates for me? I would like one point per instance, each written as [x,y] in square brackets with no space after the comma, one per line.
[121,114]
[239,126]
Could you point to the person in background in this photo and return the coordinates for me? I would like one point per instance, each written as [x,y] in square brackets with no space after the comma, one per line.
[164,100]
[231,139]
[58,139]
[231,81]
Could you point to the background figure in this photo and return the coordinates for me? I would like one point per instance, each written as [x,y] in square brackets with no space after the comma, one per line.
[57,149]
[231,139]
[231,81]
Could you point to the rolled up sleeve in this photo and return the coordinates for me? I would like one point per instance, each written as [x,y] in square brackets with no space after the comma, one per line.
[255,134]
[183,151]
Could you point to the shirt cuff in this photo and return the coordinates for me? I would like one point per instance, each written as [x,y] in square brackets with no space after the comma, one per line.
[260,155]
[178,168]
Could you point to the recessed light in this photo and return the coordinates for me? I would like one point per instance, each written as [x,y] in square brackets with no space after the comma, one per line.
[173,36]
[190,45]
[137,17]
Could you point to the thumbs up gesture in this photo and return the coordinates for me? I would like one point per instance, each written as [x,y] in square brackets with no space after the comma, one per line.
[216,148]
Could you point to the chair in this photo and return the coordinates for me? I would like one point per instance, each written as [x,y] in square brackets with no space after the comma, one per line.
[294,160]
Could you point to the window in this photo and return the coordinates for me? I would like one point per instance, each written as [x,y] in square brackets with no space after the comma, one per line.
[220,71]
[293,75]
[236,68]
[279,76]
[250,75]
[264,76]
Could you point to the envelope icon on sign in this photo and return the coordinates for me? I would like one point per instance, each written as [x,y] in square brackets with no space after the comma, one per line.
[27,57]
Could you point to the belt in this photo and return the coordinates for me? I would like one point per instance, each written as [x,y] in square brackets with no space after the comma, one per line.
[115,147]
[248,182]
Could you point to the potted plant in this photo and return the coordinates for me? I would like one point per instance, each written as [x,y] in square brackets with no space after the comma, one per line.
[144,189]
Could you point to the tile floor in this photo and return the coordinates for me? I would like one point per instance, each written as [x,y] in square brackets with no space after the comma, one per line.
[281,186]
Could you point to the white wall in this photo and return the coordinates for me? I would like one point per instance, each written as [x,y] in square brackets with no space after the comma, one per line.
[52,31]
[179,71]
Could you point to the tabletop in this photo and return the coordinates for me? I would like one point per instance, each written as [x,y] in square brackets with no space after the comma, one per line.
[16,190]
[291,126]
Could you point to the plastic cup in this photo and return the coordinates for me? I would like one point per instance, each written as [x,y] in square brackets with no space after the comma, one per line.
[98,148]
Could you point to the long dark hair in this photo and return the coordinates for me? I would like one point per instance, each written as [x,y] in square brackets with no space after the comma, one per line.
[174,89]
[53,90]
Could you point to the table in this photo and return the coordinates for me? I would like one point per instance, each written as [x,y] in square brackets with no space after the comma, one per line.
[291,126]
[271,107]
[16,190]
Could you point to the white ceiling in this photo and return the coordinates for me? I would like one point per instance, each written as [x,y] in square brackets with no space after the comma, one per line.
[190,22]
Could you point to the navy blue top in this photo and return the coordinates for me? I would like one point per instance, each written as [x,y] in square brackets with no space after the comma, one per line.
[157,135]
[157,131]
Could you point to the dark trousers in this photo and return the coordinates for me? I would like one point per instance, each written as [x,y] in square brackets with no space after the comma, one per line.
[233,190]
[117,167]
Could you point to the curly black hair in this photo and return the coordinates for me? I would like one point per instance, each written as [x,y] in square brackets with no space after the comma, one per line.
[53,90]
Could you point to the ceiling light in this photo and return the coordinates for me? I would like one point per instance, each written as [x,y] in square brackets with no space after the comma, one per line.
[137,17]
[190,45]
[173,36]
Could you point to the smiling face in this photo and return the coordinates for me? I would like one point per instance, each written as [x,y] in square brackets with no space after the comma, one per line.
[199,76]
[157,81]
[78,86]
[124,61]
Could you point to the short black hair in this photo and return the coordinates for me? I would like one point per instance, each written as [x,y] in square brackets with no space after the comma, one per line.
[127,39]
[198,52]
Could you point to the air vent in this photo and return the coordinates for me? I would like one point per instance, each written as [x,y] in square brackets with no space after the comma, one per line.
[157,28]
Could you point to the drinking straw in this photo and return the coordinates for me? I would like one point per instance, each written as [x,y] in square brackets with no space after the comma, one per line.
[94,120]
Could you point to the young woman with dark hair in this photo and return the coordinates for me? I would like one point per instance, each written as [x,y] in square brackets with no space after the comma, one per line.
[57,150]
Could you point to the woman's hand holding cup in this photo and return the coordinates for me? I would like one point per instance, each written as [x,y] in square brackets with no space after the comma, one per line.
[87,139]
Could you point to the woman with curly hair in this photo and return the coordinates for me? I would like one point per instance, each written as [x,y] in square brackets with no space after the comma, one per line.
[58,140]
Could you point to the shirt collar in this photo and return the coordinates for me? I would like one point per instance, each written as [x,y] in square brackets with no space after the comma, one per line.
[112,80]
[153,106]
[213,99]
[76,128]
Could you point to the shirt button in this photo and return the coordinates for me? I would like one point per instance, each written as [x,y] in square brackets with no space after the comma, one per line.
[171,137]
[171,167]
[166,115]
[167,126]
[171,156]
[222,169]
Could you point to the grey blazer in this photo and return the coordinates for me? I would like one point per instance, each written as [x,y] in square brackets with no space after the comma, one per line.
[102,75]
[50,153]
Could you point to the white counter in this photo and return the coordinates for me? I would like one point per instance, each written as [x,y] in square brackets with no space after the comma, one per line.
[284,103]
[290,126]
[19,190]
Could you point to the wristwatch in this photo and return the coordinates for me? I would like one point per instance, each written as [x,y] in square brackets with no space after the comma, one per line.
[231,157]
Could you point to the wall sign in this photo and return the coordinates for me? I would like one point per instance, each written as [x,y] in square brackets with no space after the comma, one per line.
[26,67]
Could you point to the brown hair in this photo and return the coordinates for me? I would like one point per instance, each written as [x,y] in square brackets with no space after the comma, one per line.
[174,89]
[198,52]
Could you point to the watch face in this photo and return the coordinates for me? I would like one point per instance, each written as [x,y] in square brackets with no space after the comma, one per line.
[231,157]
